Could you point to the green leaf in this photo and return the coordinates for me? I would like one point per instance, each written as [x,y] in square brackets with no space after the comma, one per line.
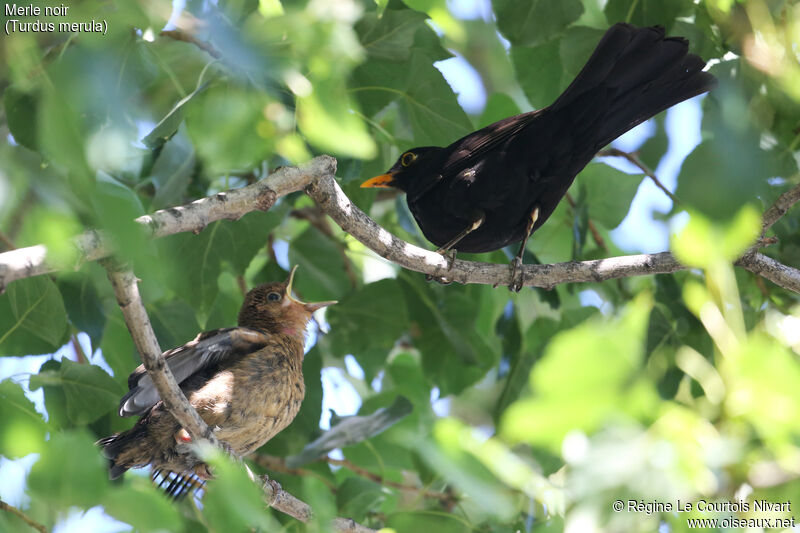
[168,126]
[172,172]
[498,107]
[357,496]
[90,392]
[654,148]
[351,430]
[390,35]
[233,502]
[174,323]
[71,471]
[609,192]
[736,166]
[546,69]
[21,108]
[442,327]
[117,346]
[197,260]
[83,305]
[425,521]
[116,206]
[23,429]
[422,92]
[32,317]
[241,140]
[647,12]
[321,275]
[609,356]
[140,504]
[536,22]
[378,306]
[55,400]
[326,118]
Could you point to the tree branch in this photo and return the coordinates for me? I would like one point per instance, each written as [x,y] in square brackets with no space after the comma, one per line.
[130,302]
[230,205]
[286,503]
[781,206]
[22,516]
[327,193]
[317,178]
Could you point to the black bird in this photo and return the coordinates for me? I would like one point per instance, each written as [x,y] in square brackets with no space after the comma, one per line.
[499,184]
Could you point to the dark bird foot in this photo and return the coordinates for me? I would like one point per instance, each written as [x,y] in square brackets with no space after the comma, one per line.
[274,485]
[517,275]
[450,256]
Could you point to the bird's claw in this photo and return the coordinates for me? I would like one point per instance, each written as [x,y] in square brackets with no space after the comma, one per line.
[450,256]
[517,275]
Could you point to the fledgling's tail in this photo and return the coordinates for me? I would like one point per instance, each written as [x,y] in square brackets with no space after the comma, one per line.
[114,446]
[120,454]
[632,75]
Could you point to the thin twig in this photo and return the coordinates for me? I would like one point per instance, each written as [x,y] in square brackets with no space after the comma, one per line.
[278,464]
[633,158]
[76,346]
[447,499]
[22,516]
[598,239]
[778,209]
[7,241]
[179,35]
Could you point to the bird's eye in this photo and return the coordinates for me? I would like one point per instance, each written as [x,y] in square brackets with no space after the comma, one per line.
[408,158]
[273,297]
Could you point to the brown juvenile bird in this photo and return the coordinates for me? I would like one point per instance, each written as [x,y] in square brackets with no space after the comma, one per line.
[245,382]
[499,184]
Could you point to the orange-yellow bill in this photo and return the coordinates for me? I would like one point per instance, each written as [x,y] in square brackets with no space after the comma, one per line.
[383,181]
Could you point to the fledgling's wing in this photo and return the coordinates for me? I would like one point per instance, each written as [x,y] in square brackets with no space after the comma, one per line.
[207,349]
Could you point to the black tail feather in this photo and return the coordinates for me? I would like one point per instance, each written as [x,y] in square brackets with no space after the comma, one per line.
[633,74]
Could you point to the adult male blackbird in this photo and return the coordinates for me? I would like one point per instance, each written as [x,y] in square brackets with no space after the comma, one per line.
[497,185]
[245,382]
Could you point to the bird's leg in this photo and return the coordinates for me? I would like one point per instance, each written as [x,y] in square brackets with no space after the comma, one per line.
[516,263]
[448,250]
[478,218]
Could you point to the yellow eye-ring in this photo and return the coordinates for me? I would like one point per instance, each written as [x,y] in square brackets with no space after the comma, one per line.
[408,158]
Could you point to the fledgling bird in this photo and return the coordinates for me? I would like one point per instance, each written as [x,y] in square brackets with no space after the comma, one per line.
[499,184]
[245,382]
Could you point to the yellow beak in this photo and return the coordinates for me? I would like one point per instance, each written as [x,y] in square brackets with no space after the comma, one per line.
[310,307]
[383,181]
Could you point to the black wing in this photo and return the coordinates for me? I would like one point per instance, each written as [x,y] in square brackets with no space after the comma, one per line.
[207,349]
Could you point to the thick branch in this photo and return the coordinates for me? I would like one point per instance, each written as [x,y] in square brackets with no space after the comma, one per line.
[22,516]
[230,205]
[778,273]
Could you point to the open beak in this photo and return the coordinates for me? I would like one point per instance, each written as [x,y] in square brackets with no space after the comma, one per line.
[310,307]
[383,181]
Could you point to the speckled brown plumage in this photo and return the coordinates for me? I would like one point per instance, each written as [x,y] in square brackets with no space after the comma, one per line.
[245,382]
